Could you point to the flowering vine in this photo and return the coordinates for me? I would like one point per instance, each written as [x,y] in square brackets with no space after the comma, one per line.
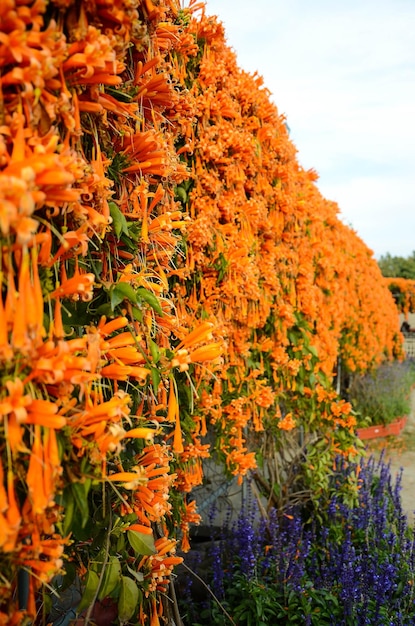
[168,270]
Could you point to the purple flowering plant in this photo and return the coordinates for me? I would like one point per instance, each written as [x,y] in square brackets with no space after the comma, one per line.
[350,565]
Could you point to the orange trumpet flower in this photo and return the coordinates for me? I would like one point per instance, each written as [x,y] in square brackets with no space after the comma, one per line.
[13,515]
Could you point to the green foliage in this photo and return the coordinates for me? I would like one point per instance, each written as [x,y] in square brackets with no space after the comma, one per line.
[397,266]
[383,395]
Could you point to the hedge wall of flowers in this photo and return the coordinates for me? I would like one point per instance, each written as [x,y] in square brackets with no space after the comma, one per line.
[403,291]
[169,275]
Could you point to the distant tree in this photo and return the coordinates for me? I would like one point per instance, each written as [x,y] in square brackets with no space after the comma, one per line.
[397,266]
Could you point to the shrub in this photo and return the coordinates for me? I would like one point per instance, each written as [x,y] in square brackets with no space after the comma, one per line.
[384,394]
[356,567]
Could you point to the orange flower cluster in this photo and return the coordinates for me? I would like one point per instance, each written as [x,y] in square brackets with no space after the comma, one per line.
[90,337]
[403,292]
[292,289]
[167,269]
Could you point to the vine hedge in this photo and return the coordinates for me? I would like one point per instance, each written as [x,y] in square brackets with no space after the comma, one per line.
[403,292]
[173,286]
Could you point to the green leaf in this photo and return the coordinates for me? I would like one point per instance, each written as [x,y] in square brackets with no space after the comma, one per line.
[91,586]
[80,493]
[137,314]
[119,222]
[121,292]
[69,509]
[128,599]
[137,575]
[313,350]
[120,546]
[293,338]
[154,350]
[155,378]
[105,309]
[181,194]
[111,577]
[141,544]
[97,563]
[122,96]
[150,298]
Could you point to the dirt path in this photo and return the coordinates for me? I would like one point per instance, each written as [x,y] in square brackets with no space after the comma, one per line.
[400,451]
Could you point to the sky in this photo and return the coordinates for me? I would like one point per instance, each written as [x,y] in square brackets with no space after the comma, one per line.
[343,74]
